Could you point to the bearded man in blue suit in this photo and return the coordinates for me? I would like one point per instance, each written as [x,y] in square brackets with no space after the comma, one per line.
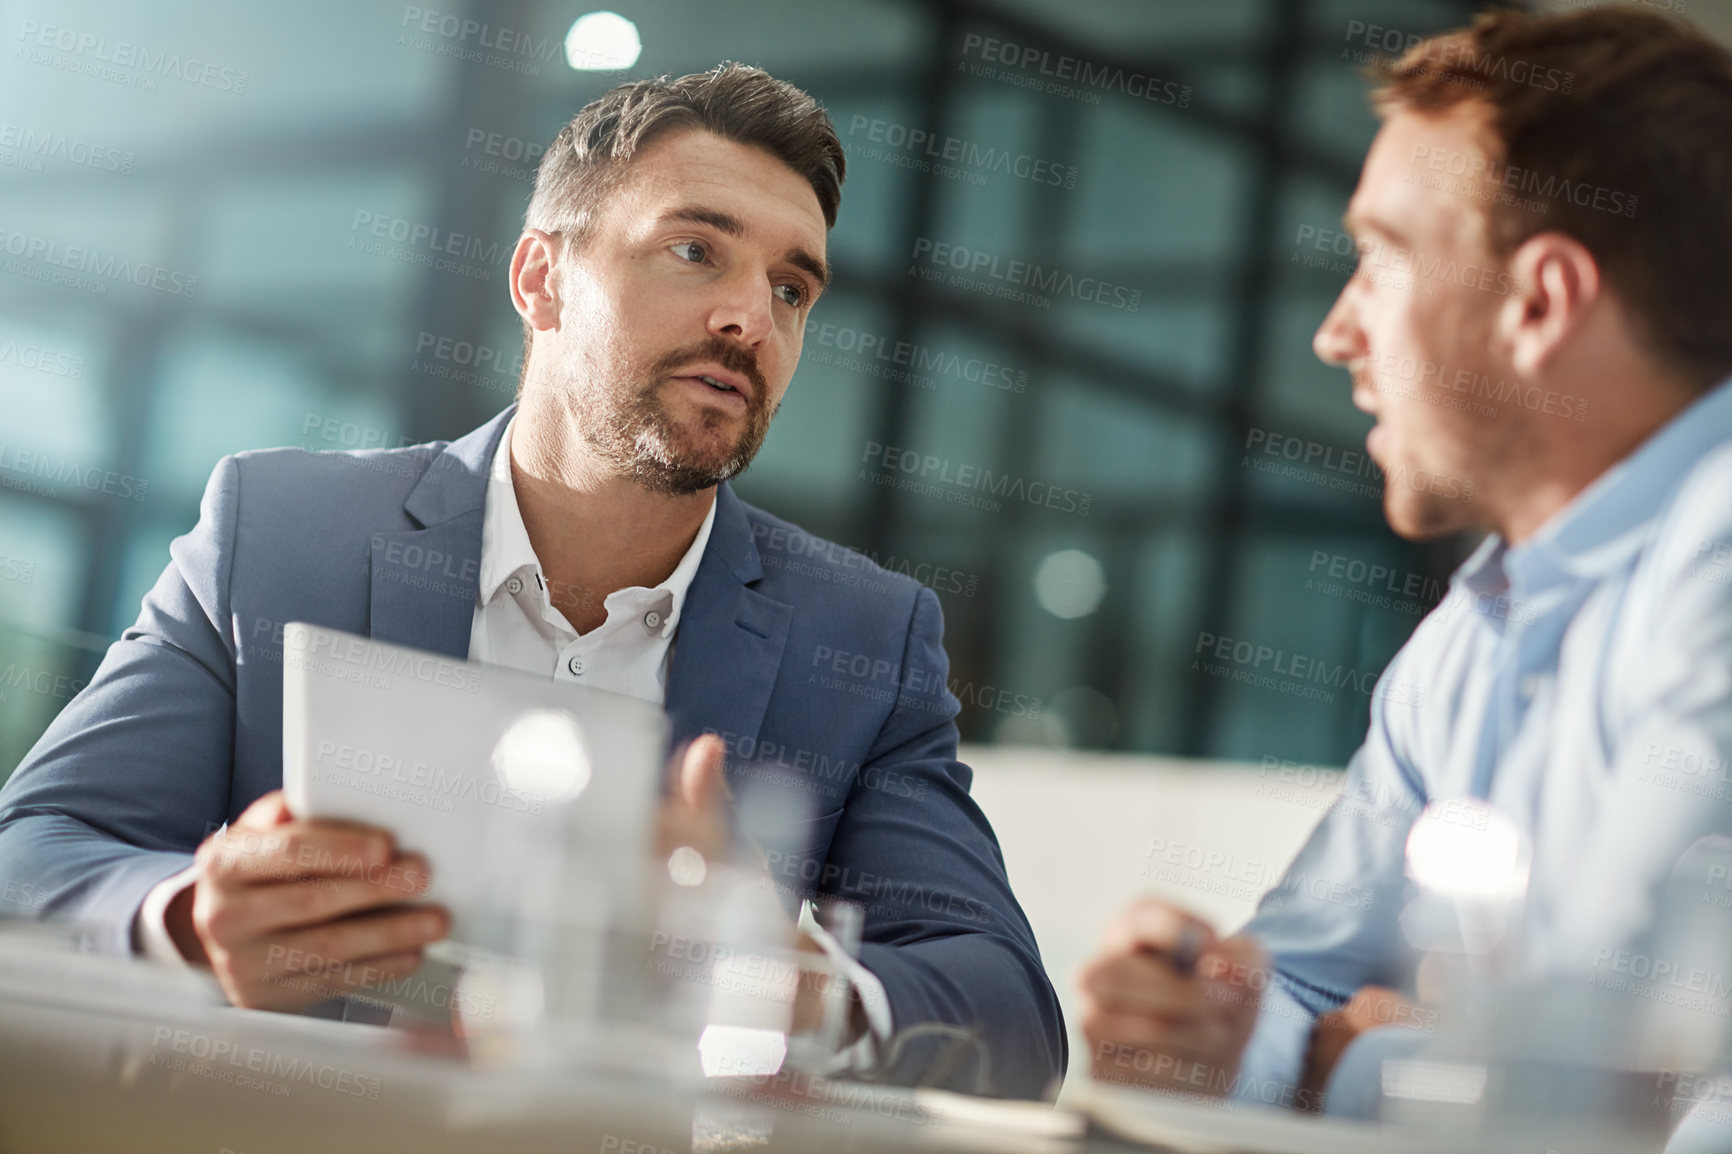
[674,246]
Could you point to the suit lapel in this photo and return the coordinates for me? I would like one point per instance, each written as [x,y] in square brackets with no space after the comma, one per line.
[424,581]
[424,586]
[728,649]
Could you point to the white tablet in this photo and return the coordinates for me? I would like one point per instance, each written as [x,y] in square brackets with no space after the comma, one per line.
[496,776]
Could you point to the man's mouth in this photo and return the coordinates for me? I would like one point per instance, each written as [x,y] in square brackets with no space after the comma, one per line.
[719,386]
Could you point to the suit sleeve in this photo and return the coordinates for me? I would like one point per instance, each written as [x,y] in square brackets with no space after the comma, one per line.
[943,932]
[136,770]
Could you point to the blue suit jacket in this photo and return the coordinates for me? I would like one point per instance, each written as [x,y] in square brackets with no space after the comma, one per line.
[824,673]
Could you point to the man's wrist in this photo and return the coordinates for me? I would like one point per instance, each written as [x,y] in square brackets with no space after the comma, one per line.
[162,929]
[177,920]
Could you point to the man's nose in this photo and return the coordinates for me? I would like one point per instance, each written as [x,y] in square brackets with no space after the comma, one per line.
[1339,340]
[743,310]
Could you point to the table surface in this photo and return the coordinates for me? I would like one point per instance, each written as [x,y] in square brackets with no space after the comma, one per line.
[99,1053]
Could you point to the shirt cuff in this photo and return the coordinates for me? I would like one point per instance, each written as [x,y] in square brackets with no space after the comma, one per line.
[862,1053]
[150,936]
[1355,1088]
[1274,1058]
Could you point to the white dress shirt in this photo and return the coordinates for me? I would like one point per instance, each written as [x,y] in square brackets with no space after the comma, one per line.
[516,625]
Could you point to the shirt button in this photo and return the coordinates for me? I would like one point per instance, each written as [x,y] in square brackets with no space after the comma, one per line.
[652,619]
[514,586]
[575,664]
[1531,686]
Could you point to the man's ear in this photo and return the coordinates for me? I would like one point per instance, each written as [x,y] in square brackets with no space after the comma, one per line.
[534,283]
[1554,285]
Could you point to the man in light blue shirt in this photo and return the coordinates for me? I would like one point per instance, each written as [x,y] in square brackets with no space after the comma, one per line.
[1541,323]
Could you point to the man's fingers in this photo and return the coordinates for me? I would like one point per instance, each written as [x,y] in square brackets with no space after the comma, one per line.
[277,986]
[328,948]
[1140,984]
[703,784]
[267,810]
[263,909]
[1152,926]
[242,855]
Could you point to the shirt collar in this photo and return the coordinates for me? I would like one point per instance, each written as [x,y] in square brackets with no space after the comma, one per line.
[1605,524]
[505,547]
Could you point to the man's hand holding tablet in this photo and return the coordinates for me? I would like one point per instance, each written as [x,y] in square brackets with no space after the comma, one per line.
[288,912]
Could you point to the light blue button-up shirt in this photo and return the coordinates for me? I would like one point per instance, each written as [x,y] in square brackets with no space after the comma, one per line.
[1582,683]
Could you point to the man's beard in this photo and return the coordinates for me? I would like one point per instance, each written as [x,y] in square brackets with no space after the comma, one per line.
[635,435]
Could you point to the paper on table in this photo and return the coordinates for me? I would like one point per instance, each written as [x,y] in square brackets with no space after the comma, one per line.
[1175,1123]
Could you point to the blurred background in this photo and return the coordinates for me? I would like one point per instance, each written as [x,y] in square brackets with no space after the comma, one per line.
[1082,249]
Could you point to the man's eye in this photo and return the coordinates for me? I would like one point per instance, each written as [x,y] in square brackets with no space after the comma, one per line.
[691,250]
[793,294]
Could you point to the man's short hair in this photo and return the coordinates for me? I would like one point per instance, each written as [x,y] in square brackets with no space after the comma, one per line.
[746,105]
[1613,126]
